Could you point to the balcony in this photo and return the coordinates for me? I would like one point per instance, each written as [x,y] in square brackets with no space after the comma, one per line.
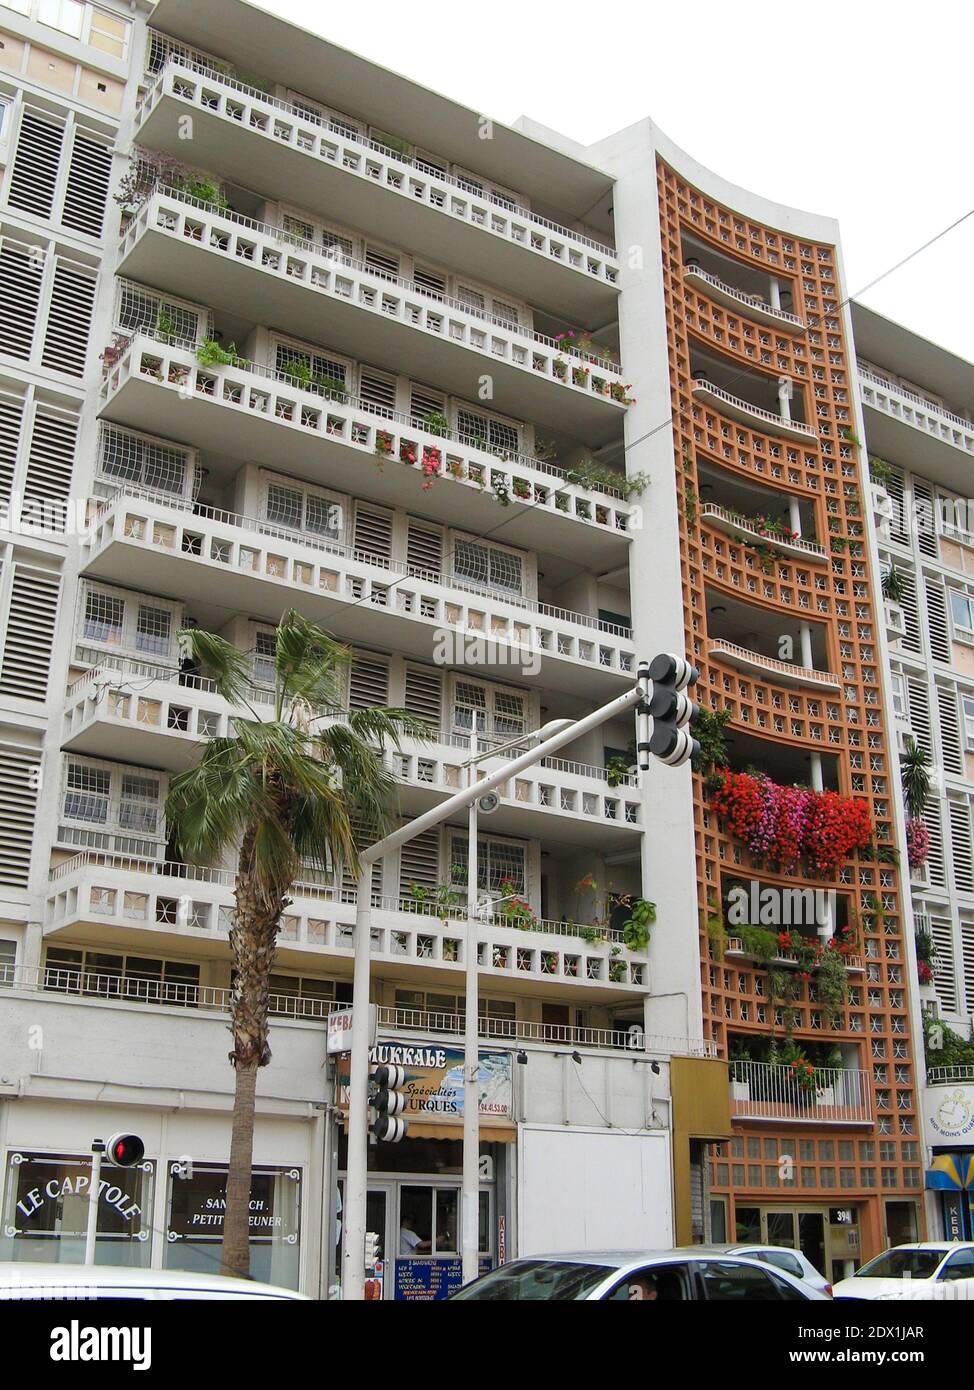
[755,416]
[237,563]
[249,412]
[742,634]
[119,711]
[735,525]
[120,900]
[763,1091]
[267,144]
[940,443]
[226,260]
[780,672]
[737,950]
[752,305]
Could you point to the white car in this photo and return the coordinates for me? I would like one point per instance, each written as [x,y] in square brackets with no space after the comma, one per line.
[21,1280]
[920,1270]
[782,1257]
[693,1274]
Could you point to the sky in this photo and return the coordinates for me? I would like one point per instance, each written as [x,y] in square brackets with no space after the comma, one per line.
[879,91]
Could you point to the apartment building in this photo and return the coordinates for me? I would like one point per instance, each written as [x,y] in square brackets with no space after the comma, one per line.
[505,415]
[920,434]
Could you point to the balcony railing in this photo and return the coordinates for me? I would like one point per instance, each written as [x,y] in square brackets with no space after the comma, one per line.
[785,671]
[881,393]
[945,1076]
[730,523]
[736,947]
[752,303]
[270,248]
[762,1091]
[230,543]
[252,388]
[343,148]
[134,989]
[750,414]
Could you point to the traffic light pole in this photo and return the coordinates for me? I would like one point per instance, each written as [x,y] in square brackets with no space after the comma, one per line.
[356,1183]
[94,1191]
[470,1184]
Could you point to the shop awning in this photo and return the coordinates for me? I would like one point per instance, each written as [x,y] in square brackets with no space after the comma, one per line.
[951,1173]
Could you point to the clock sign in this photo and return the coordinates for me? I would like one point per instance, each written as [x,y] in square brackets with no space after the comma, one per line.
[953,1118]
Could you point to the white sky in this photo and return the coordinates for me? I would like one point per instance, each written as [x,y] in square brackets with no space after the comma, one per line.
[888,111]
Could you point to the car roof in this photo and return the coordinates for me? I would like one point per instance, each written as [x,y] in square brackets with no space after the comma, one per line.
[944,1245]
[20,1274]
[619,1259]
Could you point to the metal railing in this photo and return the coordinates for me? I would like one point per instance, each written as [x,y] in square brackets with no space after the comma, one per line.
[914,399]
[395,417]
[787,957]
[764,1091]
[719,647]
[606,361]
[202,512]
[741,523]
[939,1076]
[624,1039]
[202,68]
[739,403]
[749,300]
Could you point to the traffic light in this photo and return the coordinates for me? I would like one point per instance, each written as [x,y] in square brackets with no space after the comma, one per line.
[388,1102]
[671,710]
[373,1251]
[125,1150]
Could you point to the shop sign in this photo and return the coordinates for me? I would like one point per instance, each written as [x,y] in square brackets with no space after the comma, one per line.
[427,1281]
[339,1035]
[949,1114]
[434,1082]
[199,1199]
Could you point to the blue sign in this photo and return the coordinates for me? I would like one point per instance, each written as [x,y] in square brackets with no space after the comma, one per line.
[424,1281]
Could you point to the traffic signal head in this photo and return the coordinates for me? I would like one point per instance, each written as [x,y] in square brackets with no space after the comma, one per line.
[125,1150]
[373,1249]
[671,710]
[388,1102]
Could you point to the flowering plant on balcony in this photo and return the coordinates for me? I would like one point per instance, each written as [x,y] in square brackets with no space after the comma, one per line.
[407,451]
[383,443]
[917,843]
[513,910]
[431,466]
[784,826]
[925,972]
[620,393]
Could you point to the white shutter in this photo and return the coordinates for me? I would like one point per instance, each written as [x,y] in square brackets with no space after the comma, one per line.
[937,619]
[936,876]
[368,683]
[419,862]
[377,392]
[373,533]
[920,713]
[911,639]
[30,633]
[424,550]
[950,743]
[967,956]
[431,282]
[960,837]
[18,809]
[944,977]
[21,276]
[424,694]
[33,182]
[86,195]
[924,515]
[898,525]
[69,318]
[50,464]
[382,262]
[11,419]
[423,402]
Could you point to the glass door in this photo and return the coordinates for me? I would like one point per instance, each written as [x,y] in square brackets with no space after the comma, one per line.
[378,1220]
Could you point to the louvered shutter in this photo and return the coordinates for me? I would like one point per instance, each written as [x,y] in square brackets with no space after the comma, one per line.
[944,977]
[368,683]
[937,620]
[382,263]
[30,633]
[960,837]
[920,713]
[86,195]
[936,874]
[950,743]
[424,550]
[898,525]
[911,640]
[33,182]
[925,522]
[419,862]
[69,319]
[378,393]
[11,418]
[423,402]
[373,533]
[21,277]
[50,464]
[967,956]
[424,694]
[431,282]
[19,777]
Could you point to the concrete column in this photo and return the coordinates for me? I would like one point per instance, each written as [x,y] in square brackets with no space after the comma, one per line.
[818,782]
[794,515]
[784,398]
[805,637]
[774,293]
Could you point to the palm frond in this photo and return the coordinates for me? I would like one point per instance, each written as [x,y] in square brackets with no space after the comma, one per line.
[221,662]
[380,725]
[310,665]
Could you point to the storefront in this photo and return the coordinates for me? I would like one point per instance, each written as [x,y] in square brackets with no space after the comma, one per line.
[414,1198]
[949,1121]
[829,1237]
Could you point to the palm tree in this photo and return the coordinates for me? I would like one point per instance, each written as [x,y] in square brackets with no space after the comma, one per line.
[284,795]
[915,778]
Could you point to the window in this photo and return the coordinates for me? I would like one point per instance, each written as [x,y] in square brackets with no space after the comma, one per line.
[153,630]
[66,15]
[488,567]
[108,33]
[656,1284]
[139,805]
[489,710]
[46,1210]
[304,509]
[114,618]
[306,367]
[139,310]
[474,427]
[969,721]
[140,978]
[265,656]
[498,861]
[898,688]
[959,1266]
[104,616]
[781,1258]
[101,794]
[727,1282]
[134,458]
[8,960]
[962,612]
[87,795]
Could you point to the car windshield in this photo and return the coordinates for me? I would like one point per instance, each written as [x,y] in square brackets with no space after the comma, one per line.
[902,1264]
[536,1279]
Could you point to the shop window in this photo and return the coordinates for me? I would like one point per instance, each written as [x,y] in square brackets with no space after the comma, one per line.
[194,1223]
[45,1213]
[747,1222]
[901,1223]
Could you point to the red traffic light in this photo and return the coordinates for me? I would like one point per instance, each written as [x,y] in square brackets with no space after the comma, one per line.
[125,1150]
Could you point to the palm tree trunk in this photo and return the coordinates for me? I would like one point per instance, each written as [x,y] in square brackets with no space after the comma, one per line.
[253,939]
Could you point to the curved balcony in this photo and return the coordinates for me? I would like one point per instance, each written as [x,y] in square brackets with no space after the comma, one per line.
[225,260]
[244,565]
[751,304]
[116,711]
[737,950]
[797,548]
[761,1091]
[119,900]
[249,411]
[752,415]
[781,672]
[261,142]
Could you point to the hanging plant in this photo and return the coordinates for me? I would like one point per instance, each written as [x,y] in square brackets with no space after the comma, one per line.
[894,586]
[915,778]
[917,843]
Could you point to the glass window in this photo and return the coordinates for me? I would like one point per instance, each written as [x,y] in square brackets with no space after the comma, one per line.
[959,1266]
[8,960]
[153,630]
[535,1280]
[447,1228]
[748,1223]
[488,567]
[782,1260]
[46,1211]
[139,808]
[66,15]
[969,720]
[962,610]
[902,1264]
[415,1221]
[104,616]
[655,1284]
[898,687]
[21,6]
[108,33]
[87,795]
[727,1282]
[195,1206]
